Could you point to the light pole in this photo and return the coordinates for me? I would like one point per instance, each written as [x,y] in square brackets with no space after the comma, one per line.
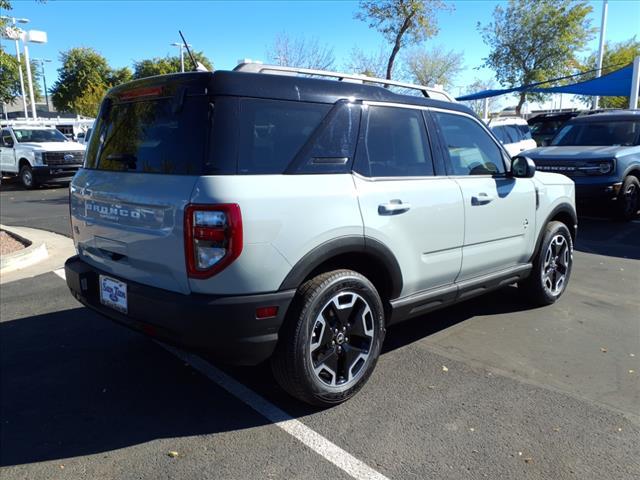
[181,46]
[603,29]
[16,38]
[42,61]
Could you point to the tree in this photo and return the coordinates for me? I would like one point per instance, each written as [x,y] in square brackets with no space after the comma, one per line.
[616,55]
[170,64]
[402,22]
[535,40]
[434,66]
[300,52]
[371,65]
[478,105]
[9,80]
[83,79]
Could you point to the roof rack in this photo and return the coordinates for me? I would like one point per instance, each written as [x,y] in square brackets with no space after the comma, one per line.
[428,92]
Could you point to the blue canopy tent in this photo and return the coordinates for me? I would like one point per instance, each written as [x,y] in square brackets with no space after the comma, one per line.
[617,83]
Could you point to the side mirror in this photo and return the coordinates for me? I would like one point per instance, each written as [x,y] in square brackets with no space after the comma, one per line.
[522,167]
[8,142]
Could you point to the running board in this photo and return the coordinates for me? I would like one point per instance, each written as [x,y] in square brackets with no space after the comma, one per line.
[439,297]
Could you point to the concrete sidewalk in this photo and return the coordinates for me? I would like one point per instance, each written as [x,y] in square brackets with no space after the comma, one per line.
[59,248]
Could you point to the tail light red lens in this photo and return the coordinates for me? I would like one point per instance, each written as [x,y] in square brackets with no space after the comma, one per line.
[213,238]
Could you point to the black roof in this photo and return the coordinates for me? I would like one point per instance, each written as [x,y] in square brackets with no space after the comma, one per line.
[613,116]
[285,87]
[550,116]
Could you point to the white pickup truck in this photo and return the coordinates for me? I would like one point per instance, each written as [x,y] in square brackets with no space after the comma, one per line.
[37,154]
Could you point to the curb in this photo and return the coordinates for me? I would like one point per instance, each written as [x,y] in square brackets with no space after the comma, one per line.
[31,255]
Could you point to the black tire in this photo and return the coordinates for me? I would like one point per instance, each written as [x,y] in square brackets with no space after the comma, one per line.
[540,287]
[628,201]
[26,177]
[316,313]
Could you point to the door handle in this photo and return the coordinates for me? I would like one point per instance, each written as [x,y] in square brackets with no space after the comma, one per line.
[393,207]
[481,199]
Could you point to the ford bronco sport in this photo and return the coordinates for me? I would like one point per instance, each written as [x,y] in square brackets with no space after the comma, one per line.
[601,154]
[263,213]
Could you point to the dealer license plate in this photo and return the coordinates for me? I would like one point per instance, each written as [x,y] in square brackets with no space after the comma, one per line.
[113,293]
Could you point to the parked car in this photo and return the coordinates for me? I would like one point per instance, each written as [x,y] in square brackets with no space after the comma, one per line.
[544,126]
[601,154]
[275,216]
[514,134]
[37,154]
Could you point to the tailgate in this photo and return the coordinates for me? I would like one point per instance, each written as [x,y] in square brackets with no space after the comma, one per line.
[132,225]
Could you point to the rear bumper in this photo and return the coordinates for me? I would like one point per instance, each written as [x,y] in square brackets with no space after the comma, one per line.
[46,172]
[224,327]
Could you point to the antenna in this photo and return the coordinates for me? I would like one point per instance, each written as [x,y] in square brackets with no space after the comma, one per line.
[193,60]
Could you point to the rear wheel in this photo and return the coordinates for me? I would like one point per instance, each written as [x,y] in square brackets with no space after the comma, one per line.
[551,266]
[629,198]
[26,177]
[331,340]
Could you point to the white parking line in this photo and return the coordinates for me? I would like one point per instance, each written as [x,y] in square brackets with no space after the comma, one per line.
[312,439]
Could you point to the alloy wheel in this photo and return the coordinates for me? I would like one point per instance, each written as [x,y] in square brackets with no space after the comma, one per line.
[555,268]
[341,340]
[631,200]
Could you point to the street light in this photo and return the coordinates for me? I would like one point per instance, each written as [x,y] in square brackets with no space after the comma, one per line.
[34,36]
[16,37]
[181,46]
[42,61]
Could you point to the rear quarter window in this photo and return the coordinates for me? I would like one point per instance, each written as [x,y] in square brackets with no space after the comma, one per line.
[271,132]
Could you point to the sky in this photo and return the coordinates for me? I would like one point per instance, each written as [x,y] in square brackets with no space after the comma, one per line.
[230,30]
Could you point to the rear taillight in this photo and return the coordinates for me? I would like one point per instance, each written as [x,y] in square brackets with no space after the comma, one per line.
[213,238]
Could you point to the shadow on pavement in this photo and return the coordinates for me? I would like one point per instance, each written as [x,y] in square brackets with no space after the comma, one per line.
[74,384]
[505,300]
[604,236]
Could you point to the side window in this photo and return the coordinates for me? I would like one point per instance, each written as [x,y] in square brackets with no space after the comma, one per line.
[272,132]
[6,138]
[330,149]
[394,144]
[471,149]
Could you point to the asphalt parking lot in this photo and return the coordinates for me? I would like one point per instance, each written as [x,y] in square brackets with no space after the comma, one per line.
[486,389]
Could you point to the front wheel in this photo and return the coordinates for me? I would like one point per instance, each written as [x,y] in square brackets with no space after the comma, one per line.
[551,266]
[331,340]
[26,177]
[629,198]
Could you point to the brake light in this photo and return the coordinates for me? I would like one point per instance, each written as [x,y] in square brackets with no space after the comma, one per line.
[141,92]
[213,238]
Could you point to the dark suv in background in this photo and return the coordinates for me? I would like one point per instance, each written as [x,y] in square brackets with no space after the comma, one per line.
[544,126]
[601,154]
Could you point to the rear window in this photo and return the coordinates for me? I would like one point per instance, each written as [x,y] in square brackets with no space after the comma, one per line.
[159,135]
[272,132]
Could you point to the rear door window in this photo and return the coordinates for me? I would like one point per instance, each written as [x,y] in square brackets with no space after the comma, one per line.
[155,135]
[394,144]
[271,132]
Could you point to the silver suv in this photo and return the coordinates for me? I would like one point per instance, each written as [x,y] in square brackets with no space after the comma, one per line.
[264,213]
